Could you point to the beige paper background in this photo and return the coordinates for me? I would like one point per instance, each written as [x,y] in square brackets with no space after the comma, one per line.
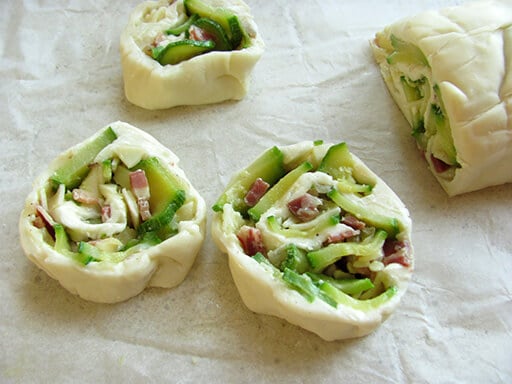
[60,81]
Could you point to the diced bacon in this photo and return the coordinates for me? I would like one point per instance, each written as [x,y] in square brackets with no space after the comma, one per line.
[199,34]
[439,165]
[340,236]
[396,251]
[399,258]
[140,188]
[38,222]
[106,213]
[305,207]
[353,222]
[144,211]
[84,197]
[139,184]
[251,240]
[44,220]
[256,192]
[392,246]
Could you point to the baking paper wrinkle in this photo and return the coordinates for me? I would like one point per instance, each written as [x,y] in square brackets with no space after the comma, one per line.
[163,346]
[179,347]
[400,368]
[292,23]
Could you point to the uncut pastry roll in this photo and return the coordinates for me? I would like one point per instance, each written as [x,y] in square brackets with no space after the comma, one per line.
[315,237]
[188,52]
[113,215]
[450,73]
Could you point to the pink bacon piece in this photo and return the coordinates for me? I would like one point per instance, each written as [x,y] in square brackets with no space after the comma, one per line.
[140,188]
[199,34]
[44,220]
[84,197]
[139,184]
[340,236]
[256,192]
[251,240]
[396,251]
[305,207]
[439,165]
[353,222]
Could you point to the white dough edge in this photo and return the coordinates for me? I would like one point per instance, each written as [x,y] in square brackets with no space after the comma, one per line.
[263,293]
[165,265]
[209,78]
[469,49]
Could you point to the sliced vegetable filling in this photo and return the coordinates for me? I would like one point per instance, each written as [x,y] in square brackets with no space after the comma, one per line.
[105,211]
[421,102]
[204,29]
[315,227]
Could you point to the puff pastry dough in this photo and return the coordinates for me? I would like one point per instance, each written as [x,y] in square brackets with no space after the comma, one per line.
[122,271]
[209,78]
[264,282]
[450,72]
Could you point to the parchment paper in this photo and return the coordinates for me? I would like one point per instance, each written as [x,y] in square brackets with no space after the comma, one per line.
[61,81]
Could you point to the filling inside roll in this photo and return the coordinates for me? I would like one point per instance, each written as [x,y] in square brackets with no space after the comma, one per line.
[197,28]
[408,76]
[313,221]
[103,205]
